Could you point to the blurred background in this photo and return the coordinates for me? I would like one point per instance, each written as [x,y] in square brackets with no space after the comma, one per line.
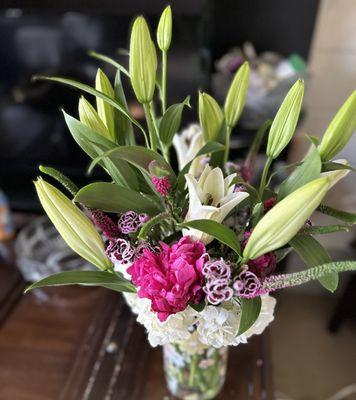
[314,336]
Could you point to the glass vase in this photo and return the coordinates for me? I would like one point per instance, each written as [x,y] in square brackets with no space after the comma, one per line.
[194,376]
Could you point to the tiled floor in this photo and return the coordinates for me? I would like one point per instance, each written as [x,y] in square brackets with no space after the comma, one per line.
[309,362]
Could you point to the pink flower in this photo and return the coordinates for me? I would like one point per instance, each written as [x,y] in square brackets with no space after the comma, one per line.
[268,204]
[216,269]
[218,290]
[263,265]
[247,284]
[162,185]
[172,278]
[120,251]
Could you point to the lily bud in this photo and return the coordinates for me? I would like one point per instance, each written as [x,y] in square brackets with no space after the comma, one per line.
[143,61]
[74,227]
[164,30]
[210,116]
[285,121]
[106,111]
[89,117]
[287,217]
[237,94]
[340,130]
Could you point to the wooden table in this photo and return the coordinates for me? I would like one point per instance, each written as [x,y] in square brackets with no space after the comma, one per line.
[77,343]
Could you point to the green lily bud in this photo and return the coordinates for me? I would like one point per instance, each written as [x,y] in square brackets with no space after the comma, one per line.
[288,216]
[164,30]
[237,94]
[89,117]
[340,130]
[106,111]
[210,116]
[74,227]
[143,61]
[285,121]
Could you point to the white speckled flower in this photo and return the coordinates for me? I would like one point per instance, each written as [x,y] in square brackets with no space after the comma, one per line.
[187,144]
[210,197]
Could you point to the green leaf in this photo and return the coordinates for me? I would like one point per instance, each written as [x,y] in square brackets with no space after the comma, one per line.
[171,121]
[344,216]
[282,253]
[306,172]
[219,231]
[198,307]
[151,223]
[114,198]
[86,278]
[333,166]
[95,145]
[94,92]
[138,156]
[313,254]
[125,133]
[323,230]
[256,214]
[250,310]
[209,148]
[254,196]
[109,60]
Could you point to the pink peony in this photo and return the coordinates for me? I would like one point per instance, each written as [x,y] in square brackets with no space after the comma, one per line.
[171,278]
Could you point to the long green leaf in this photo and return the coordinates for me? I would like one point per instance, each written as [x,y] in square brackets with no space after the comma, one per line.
[144,231]
[219,231]
[95,145]
[250,310]
[324,230]
[309,170]
[94,92]
[137,156]
[333,166]
[86,278]
[125,133]
[313,253]
[349,218]
[114,198]
[171,121]
[109,60]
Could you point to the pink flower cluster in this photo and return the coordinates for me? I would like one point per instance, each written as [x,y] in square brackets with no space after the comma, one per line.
[162,185]
[172,278]
[217,274]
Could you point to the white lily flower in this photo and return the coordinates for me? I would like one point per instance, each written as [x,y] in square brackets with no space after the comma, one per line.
[187,144]
[210,197]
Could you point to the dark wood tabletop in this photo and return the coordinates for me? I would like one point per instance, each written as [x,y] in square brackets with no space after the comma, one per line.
[74,343]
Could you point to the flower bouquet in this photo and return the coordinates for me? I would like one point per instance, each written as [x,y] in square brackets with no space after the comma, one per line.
[195,250]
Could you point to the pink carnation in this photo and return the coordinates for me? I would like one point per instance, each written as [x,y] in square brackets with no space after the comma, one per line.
[172,278]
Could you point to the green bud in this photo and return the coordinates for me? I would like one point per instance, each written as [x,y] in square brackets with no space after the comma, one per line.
[210,116]
[288,216]
[89,117]
[285,121]
[164,30]
[106,111]
[74,227]
[237,94]
[157,169]
[340,130]
[143,61]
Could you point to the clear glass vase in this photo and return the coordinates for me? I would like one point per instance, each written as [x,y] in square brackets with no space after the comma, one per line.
[194,376]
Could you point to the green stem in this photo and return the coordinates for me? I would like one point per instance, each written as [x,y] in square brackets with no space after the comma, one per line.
[164,149]
[164,81]
[151,126]
[264,176]
[193,367]
[227,144]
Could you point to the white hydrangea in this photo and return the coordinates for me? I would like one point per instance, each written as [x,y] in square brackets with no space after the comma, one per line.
[215,326]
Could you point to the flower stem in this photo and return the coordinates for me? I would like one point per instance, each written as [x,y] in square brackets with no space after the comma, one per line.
[227,144]
[150,125]
[264,176]
[193,367]
[164,81]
